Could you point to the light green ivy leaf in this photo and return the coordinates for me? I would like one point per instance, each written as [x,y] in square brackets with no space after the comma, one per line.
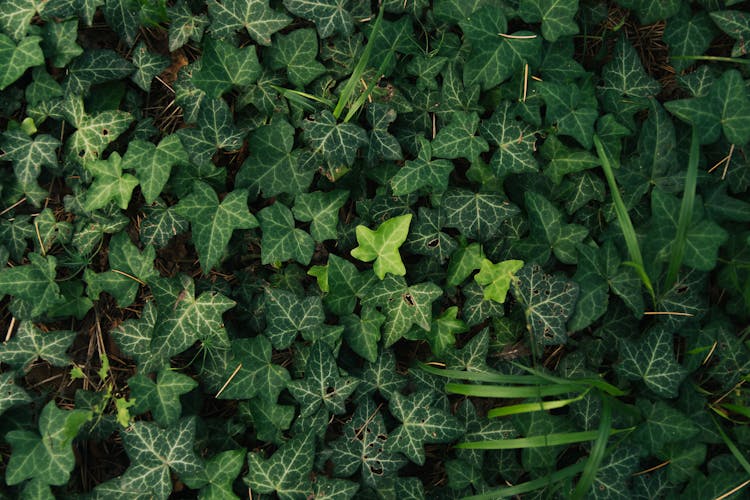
[382,245]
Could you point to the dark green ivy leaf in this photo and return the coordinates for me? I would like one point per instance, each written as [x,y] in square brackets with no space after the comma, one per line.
[255,16]
[281,240]
[161,397]
[651,359]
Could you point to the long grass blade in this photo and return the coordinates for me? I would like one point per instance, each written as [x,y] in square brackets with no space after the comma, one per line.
[497,378]
[593,382]
[529,486]
[686,213]
[536,441]
[504,411]
[359,69]
[597,452]
[626,225]
[732,447]
[512,392]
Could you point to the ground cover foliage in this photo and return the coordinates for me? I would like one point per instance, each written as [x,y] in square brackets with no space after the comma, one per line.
[398,249]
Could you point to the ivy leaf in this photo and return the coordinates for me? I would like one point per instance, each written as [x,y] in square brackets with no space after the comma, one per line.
[185,319]
[382,144]
[154,453]
[382,245]
[184,26]
[297,52]
[725,107]
[124,18]
[15,59]
[29,156]
[496,278]
[29,343]
[47,455]
[269,418]
[688,34]
[403,305]
[662,425]
[337,143]
[322,385]
[94,132]
[94,67]
[215,131]
[223,65]
[423,172]
[322,211]
[16,16]
[13,395]
[572,109]
[495,58]
[110,184]
[546,221]
[476,215]
[425,238]
[161,224]
[213,222]
[33,283]
[515,142]
[457,139]
[134,336]
[148,65]
[60,41]
[287,315]
[345,283]
[652,360]
[221,471]
[442,335]
[557,18]
[362,333]
[281,240]
[422,422]
[381,376]
[287,471]
[736,24]
[362,447]
[257,376]
[255,16]
[329,16]
[273,166]
[549,301]
[153,163]
[464,261]
[626,86]
[162,397]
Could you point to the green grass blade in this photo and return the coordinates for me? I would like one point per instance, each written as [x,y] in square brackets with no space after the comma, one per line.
[353,80]
[626,225]
[530,486]
[536,441]
[497,378]
[511,392]
[593,382]
[504,411]
[597,452]
[686,213]
[301,98]
[732,447]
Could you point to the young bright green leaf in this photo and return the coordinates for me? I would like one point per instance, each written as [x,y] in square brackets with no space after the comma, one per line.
[422,172]
[162,397]
[148,65]
[287,316]
[213,222]
[155,454]
[15,59]
[549,302]
[223,65]
[287,471]
[281,240]
[297,53]
[557,17]
[273,166]
[322,211]
[362,447]
[422,422]
[185,319]
[572,109]
[153,163]
[403,305]
[29,343]
[110,184]
[322,385]
[336,143]
[60,42]
[33,283]
[476,215]
[652,360]
[13,395]
[382,245]
[457,139]
[258,376]
[221,471]
[255,16]
[496,278]
[495,58]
